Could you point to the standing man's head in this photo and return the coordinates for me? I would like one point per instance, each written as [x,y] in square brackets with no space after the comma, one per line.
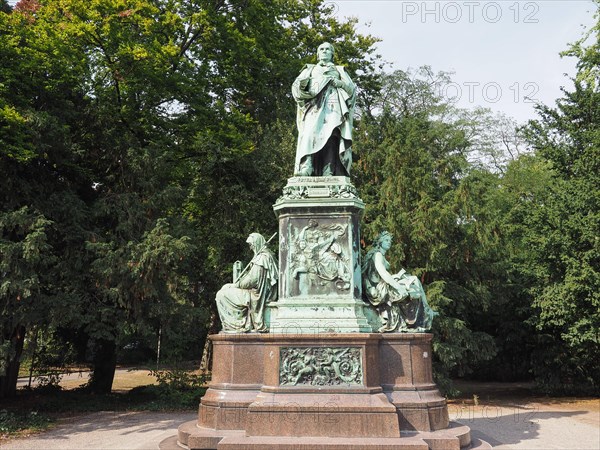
[325,52]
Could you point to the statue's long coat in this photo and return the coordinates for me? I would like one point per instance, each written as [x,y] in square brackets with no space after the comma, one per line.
[321,108]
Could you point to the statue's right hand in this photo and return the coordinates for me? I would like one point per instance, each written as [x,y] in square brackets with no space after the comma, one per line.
[304,84]
[337,83]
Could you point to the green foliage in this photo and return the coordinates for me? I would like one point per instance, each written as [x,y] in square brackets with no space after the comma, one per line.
[559,231]
[416,181]
[144,140]
[177,389]
[161,398]
[504,240]
[179,379]
[11,422]
[25,255]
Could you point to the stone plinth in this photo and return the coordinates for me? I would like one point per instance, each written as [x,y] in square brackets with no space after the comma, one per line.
[237,377]
[319,258]
[325,385]
[407,380]
[331,391]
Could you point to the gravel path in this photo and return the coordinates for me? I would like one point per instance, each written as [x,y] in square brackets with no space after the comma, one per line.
[106,431]
[533,425]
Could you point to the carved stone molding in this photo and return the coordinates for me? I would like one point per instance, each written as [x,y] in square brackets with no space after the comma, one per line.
[318,187]
[320,366]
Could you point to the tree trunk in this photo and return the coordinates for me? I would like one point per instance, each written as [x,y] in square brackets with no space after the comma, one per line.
[105,363]
[8,382]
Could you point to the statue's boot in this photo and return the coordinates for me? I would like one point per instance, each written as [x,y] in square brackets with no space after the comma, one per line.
[306,167]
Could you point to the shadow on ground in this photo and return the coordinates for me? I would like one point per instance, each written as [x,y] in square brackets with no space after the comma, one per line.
[507,425]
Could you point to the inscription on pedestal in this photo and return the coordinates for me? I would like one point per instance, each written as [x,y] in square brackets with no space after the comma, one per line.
[318,187]
[318,192]
[320,366]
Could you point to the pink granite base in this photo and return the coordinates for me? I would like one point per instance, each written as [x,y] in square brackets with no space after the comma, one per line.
[455,437]
[407,380]
[394,404]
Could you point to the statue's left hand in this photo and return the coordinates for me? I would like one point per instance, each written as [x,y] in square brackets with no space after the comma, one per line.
[401,289]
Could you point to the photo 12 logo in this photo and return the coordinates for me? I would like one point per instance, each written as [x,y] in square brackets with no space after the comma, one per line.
[489,92]
[470,12]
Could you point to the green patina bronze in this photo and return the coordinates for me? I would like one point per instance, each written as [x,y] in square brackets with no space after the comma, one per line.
[399,299]
[318,262]
[320,366]
[325,97]
[242,304]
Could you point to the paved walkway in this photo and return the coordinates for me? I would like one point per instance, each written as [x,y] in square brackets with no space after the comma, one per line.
[534,425]
[528,426]
[106,431]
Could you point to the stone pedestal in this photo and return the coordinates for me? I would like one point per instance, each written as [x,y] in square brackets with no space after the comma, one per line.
[321,379]
[319,259]
[333,391]
[407,380]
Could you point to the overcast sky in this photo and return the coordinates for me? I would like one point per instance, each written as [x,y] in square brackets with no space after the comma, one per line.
[500,51]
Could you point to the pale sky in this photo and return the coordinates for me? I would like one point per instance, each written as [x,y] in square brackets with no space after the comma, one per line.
[500,51]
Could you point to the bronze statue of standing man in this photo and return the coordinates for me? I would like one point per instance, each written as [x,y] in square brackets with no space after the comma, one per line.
[325,97]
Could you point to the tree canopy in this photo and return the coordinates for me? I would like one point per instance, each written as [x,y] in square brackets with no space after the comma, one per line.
[133,137]
[141,141]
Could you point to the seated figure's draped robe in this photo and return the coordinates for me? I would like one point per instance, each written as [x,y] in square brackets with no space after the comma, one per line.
[403,310]
[241,305]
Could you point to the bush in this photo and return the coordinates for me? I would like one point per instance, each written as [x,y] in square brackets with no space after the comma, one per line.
[176,389]
[179,379]
[11,422]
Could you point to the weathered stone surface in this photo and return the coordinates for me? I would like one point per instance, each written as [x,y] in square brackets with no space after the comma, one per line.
[396,405]
[407,380]
[320,366]
[455,437]
[319,257]
[237,378]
